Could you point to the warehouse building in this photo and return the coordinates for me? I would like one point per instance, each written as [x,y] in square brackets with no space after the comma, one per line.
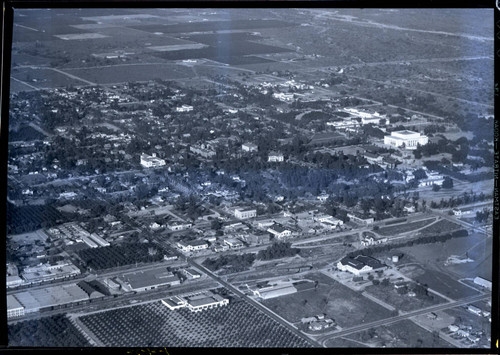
[483,282]
[206,301]
[14,281]
[245,213]
[49,297]
[174,303]
[49,272]
[149,280]
[359,264]
[197,302]
[14,308]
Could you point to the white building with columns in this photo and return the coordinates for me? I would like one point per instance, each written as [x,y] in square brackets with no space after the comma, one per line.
[406,139]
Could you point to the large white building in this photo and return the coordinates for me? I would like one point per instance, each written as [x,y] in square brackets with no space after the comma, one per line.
[14,308]
[483,282]
[329,221]
[249,147]
[193,245]
[406,139]
[275,157]
[432,179]
[359,264]
[151,161]
[245,213]
[279,231]
[196,303]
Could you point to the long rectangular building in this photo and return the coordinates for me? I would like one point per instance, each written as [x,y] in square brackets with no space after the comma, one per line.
[149,280]
[14,308]
[45,298]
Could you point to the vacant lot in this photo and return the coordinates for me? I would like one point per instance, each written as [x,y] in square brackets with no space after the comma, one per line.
[43,78]
[238,324]
[439,282]
[405,303]
[347,307]
[405,227]
[442,226]
[215,26]
[476,245]
[133,72]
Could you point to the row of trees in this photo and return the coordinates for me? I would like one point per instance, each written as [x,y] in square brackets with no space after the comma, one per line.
[423,240]
[464,199]
[235,262]
[277,251]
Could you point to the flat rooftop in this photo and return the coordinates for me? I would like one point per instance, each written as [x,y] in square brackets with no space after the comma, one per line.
[405,132]
[13,303]
[51,296]
[149,278]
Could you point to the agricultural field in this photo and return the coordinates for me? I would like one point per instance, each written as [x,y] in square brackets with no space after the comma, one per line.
[56,331]
[120,255]
[23,219]
[403,334]
[346,307]
[153,324]
[403,228]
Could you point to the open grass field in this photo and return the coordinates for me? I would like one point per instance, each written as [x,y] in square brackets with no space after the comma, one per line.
[442,226]
[238,324]
[403,334]
[402,302]
[16,86]
[405,227]
[133,72]
[44,78]
[439,282]
[476,245]
[346,307]
[215,26]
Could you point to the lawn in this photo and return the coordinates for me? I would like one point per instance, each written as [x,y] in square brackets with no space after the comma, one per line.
[476,245]
[135,72]
[404,302]
[442,283]
[442,226]
[346,307]
[403,228]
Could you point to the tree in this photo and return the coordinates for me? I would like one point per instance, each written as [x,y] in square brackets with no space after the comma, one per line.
[436,188]
[447,183]
[216,224]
